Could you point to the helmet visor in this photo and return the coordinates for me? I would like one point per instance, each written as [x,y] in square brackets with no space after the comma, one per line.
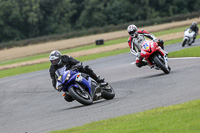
[54,62]
[133,33]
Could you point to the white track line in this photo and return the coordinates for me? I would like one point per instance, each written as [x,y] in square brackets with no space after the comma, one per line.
[182,58]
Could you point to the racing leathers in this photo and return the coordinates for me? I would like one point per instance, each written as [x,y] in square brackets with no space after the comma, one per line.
[196,30]
[69,63]
[136,42]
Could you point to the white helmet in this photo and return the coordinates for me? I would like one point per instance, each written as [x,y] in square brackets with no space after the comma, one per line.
[55,57]
[132,30]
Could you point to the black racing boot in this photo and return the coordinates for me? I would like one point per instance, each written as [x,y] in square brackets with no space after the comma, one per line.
[100,80]
[93,75]
[194,39]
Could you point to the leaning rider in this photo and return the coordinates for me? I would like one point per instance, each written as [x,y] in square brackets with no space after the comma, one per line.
[58,61]
[194,28]
[137,37]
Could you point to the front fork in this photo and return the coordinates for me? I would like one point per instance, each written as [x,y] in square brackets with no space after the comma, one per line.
[163,53]
[166,61]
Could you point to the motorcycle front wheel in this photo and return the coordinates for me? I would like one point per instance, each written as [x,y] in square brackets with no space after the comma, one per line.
[184,42]
[82,97]
[161,64]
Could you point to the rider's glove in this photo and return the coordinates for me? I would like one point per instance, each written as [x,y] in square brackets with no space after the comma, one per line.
[160,42]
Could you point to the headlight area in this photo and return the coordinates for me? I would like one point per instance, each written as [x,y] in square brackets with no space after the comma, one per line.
[68,76]
[59,87]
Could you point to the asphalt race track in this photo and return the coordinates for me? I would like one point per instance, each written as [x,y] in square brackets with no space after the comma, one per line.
[28,102]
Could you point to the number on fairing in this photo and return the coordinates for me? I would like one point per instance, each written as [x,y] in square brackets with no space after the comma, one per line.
[146,46]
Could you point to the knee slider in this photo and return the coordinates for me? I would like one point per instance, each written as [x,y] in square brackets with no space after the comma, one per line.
[138,64]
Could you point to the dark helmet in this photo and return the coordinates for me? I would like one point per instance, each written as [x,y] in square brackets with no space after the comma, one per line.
[193,26]
[55,57]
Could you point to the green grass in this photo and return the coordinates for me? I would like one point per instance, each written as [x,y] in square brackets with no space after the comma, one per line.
[169,31]
[181,118]
[23,69]
[189,52]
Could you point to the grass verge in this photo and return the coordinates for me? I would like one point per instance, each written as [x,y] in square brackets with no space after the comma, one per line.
[188,52]
[181,118]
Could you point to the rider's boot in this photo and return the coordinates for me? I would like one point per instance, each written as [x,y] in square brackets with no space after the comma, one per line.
[194,39]
[99,79]
[93,75]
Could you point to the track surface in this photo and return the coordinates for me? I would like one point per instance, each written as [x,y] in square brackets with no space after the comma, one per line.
[28,103]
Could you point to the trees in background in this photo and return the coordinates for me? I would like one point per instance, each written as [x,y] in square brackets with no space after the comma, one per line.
[22,19]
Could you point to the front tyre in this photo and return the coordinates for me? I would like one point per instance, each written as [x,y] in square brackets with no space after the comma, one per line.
[108,92]
[82,97]
[184,42]
[160,64]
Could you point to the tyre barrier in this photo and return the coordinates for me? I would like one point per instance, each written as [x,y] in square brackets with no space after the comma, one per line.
[100,42]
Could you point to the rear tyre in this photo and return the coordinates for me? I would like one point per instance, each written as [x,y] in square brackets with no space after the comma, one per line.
[82,97]
[161,64]
[108,92]
[184,42]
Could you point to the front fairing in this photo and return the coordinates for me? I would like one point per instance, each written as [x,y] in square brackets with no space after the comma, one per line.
[77,79]
[189,33]
[63,76]
[188,36]
[59,74]
[148,47]
[69,78]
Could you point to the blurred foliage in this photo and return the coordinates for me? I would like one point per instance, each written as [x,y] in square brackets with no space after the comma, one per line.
[28,20]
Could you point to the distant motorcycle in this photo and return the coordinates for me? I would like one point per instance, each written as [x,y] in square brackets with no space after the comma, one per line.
[82,87]
[150,53]
[188,37]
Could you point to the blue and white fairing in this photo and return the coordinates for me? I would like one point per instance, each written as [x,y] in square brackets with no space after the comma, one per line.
[69,78]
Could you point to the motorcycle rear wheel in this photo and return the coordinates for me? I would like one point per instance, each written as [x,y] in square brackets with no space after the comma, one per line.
[108,92]
[161,64]
[80,96]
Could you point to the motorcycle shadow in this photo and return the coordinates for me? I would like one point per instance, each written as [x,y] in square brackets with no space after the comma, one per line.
[152,76]
[82,106]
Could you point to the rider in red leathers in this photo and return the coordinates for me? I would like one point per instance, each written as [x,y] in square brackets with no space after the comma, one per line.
[137,37]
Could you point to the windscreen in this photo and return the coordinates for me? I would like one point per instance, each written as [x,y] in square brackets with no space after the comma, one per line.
[60,71]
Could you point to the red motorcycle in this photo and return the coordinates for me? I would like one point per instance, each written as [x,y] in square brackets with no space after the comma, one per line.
[154,56]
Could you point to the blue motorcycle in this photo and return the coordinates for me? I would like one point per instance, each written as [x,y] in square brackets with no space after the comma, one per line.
[81,87]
